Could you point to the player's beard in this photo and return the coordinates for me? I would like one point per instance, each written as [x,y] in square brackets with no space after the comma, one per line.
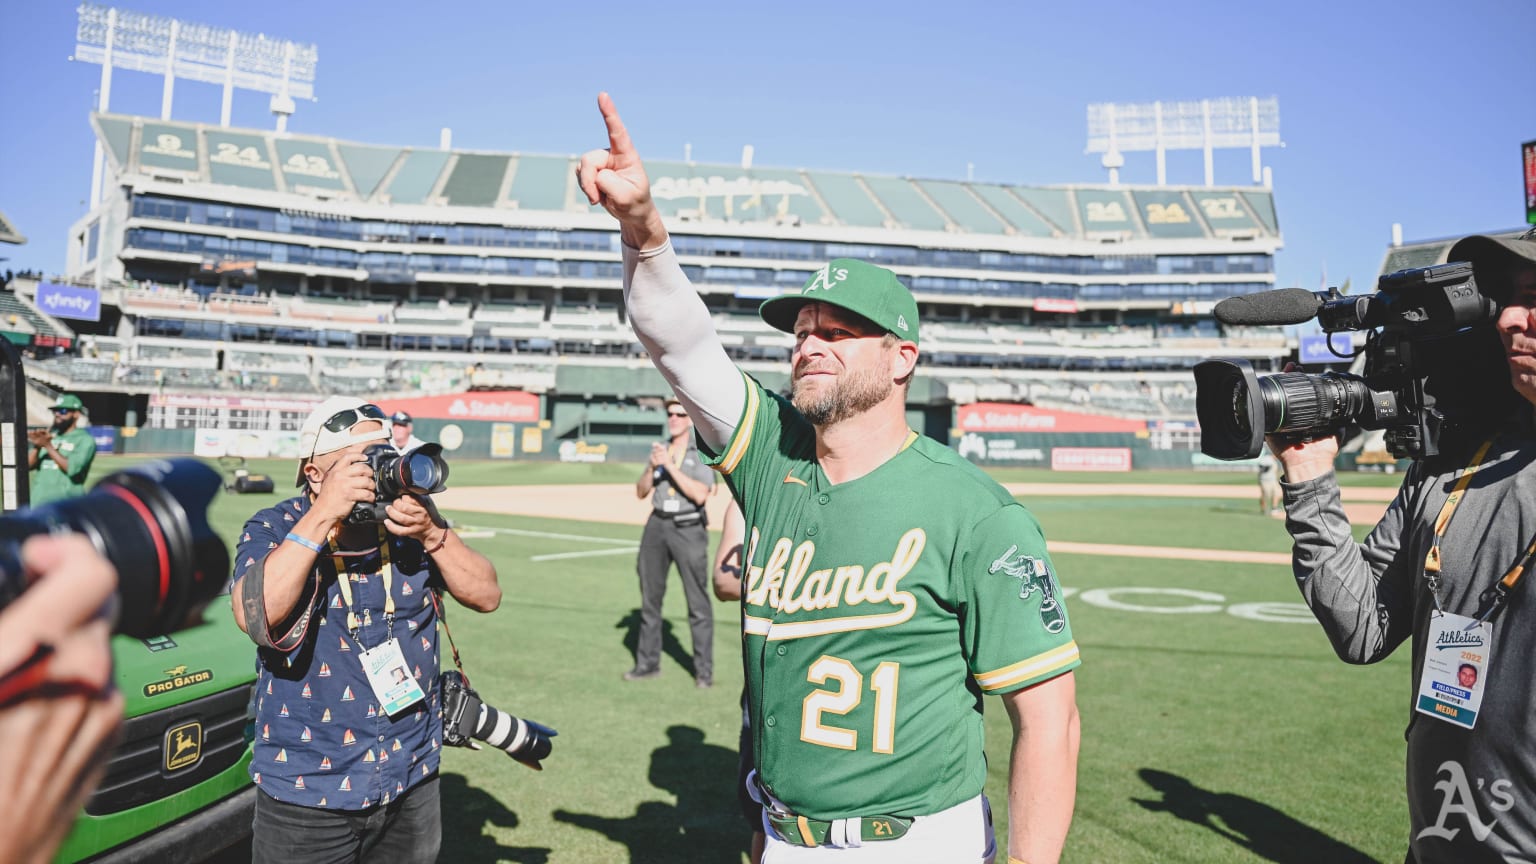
[844,396]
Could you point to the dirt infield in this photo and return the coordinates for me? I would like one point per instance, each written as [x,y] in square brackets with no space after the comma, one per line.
[617,504]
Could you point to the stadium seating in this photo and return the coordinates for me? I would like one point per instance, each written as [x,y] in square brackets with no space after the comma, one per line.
[296,263]
[19,316]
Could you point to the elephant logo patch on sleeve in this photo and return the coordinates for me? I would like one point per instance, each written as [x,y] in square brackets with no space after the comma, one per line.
[1033,575]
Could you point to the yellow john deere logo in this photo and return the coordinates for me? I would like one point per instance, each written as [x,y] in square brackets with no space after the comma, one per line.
[176,678]
[183,745]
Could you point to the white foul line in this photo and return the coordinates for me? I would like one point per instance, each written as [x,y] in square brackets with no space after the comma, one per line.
[627,550]
[583,538]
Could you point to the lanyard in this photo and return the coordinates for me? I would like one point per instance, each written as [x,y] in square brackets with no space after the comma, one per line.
[1497,594]
[1443,521]
[343,581]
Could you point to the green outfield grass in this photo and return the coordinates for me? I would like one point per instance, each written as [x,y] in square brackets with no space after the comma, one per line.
[1207,737]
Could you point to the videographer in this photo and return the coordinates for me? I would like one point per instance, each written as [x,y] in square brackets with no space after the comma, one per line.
[346,756]
[59,712]
[1444,566]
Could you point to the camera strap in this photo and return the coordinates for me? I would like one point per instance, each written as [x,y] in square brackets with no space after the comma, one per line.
[1493,599]
[343,583]
[442,621]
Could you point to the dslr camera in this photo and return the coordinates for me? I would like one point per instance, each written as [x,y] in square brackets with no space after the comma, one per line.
[1433,367]
[421,471]
[151,522]
[467,716]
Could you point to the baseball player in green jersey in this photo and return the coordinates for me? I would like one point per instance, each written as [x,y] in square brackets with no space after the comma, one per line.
[889,584]
[60,457]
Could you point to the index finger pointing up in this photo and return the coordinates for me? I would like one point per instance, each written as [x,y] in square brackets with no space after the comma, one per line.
[618,136]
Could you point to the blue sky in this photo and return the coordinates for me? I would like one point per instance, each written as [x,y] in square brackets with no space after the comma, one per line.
[1405,111]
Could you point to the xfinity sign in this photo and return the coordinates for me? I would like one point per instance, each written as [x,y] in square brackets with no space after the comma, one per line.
[67,301]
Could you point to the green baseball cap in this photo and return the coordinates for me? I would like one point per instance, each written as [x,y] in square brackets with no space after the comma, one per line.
[858,286]
[69,402]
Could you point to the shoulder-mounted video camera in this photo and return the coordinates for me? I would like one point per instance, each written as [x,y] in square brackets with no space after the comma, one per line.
[1433,367]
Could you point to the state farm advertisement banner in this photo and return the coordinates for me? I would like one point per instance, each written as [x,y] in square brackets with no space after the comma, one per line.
[1009,417]
[506,406]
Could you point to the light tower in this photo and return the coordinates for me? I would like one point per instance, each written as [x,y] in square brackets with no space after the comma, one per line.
[1118,128]
[121,39]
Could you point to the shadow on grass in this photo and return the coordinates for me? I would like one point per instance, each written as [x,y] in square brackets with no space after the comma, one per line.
[466,811]
[670,646]
[1253,825]
[703,827]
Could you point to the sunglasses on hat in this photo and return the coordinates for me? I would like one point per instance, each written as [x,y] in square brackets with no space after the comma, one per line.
[347,418]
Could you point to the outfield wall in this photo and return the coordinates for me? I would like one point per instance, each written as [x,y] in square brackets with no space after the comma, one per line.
[553,427]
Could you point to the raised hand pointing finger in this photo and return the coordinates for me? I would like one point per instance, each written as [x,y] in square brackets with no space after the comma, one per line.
[619,146]
[615,178]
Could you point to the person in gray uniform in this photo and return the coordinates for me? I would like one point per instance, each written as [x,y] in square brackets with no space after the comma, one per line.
[1445,569]
[678,482]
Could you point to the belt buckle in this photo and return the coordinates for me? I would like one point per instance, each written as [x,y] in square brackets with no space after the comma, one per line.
[799,830]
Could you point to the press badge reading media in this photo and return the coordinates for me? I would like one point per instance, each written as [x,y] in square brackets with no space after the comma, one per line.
[1455,671]
[390,678]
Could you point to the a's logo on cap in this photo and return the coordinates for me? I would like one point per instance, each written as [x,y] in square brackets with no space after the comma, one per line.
[826,279]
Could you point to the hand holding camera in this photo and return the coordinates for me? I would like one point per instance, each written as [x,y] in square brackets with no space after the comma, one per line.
[347,485]
[410,516]
[56,698]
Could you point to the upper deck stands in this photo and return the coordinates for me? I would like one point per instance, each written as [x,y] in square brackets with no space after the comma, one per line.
[686,192]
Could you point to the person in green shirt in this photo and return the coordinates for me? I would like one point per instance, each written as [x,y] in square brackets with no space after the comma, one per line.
[61,457]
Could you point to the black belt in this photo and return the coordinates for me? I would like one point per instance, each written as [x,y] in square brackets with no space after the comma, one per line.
[688,518]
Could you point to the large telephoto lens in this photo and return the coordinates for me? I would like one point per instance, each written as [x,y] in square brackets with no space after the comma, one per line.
[151,522]
[1238,408]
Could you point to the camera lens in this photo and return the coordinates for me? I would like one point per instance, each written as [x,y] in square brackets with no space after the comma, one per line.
[151,522]
[423,471]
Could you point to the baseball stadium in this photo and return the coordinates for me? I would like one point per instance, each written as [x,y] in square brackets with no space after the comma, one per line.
[226,280]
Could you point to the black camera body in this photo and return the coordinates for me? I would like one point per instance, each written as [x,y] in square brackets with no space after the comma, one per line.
[466,717]
[1433,368]
[420,471]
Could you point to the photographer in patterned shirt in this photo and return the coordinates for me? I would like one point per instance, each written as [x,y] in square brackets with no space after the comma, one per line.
[345,754]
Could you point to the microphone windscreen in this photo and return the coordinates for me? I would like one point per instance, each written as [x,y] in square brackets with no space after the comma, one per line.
[1282,306]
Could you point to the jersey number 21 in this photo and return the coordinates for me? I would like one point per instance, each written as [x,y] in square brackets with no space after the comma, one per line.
[849,692]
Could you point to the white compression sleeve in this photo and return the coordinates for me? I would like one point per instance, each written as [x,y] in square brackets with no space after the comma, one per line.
[673,324]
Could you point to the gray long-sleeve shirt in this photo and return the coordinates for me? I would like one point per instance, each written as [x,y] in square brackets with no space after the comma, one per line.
[1471,793]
